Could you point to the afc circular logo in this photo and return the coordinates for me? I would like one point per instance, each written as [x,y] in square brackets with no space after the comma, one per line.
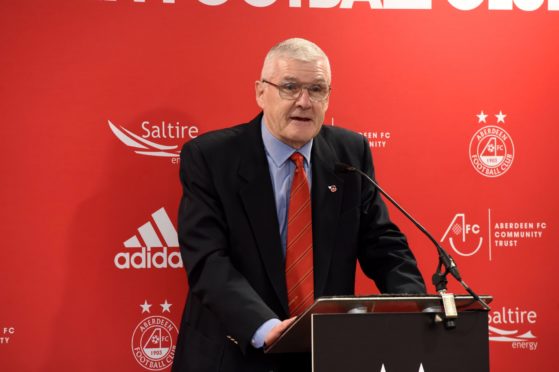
[491,151]
[153,343]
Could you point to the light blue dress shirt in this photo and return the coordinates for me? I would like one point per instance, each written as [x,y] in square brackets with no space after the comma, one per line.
[281,173]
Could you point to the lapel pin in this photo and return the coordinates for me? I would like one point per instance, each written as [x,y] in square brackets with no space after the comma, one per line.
[332,188]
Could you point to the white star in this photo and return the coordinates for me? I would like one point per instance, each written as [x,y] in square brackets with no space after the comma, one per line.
[145,307]
[166,307]
[500,117]
[481,117]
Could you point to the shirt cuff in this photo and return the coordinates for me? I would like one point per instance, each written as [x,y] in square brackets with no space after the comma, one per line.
[260,334]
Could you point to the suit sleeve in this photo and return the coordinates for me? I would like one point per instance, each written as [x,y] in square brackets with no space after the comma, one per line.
[384,253]
[204,245]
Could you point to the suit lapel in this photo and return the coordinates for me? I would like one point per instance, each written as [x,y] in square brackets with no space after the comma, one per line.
[327,193]
[257,196]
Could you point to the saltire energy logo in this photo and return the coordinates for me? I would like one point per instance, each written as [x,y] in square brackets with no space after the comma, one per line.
[144,144]
[508,325]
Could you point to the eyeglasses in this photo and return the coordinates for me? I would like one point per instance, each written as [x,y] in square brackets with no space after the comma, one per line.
[292,90]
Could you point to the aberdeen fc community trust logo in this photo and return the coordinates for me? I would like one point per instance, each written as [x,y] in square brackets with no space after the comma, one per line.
[153,339]
[145,143]
[6,334]
[467,236]
[491,148]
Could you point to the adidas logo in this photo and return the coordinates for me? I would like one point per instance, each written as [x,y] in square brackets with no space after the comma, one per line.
[145,250]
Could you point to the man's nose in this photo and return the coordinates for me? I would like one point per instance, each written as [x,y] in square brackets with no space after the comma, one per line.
[304,99]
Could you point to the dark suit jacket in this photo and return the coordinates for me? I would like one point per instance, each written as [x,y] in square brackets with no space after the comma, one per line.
[230,243]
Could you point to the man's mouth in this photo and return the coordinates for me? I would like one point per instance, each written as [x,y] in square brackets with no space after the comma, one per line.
[300,118]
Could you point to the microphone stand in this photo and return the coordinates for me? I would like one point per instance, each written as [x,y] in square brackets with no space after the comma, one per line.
[439,279]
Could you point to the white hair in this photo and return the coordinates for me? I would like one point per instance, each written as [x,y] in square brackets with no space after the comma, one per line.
[294,48]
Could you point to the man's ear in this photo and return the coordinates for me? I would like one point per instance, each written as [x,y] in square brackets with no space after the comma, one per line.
[259,90]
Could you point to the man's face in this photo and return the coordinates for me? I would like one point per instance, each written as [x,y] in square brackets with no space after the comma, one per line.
[294,122]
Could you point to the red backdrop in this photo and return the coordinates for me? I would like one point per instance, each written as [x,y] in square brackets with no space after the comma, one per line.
[458,99]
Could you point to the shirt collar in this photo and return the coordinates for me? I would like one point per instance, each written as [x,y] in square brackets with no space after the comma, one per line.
[278,151]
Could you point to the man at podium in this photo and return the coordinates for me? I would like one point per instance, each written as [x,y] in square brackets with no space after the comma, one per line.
[267,223]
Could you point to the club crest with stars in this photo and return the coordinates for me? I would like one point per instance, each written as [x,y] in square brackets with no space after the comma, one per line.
[153,339]
[491,147]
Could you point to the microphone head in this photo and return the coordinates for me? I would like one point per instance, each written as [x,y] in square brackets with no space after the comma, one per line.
[343,168]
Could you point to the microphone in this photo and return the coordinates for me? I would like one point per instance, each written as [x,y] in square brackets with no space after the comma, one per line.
[439,279]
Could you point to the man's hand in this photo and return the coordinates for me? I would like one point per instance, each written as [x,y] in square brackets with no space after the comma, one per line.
[275,332]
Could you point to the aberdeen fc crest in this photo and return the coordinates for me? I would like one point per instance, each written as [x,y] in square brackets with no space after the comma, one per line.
[153,340]
[491,148]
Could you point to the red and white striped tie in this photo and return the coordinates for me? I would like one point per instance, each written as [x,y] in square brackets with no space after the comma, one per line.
[299,250]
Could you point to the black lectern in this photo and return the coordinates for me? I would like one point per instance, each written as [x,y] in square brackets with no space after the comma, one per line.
[390,334]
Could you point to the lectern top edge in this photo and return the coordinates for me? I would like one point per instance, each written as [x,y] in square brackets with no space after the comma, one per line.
[299,331]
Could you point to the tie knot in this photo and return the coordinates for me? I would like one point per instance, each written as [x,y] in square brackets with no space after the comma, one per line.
[297,158]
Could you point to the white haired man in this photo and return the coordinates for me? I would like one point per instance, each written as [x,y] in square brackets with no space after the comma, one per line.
[266,224]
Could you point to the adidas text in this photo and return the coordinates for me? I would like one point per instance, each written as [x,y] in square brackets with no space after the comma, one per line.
[146,259]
